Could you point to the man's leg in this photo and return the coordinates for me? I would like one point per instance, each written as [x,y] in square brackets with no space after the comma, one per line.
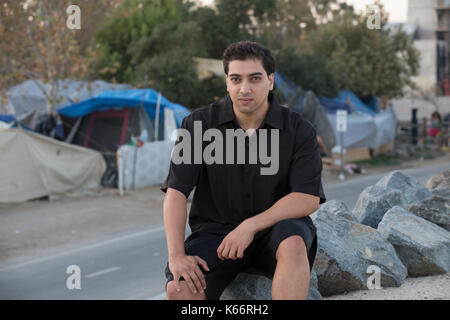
[184,294]
[291,278]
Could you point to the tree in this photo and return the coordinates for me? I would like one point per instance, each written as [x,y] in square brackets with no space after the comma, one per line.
[128,24]
[370,62]
[308,71]
[35,43]
[152,44]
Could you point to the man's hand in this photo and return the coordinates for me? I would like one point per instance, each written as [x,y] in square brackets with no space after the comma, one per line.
[187,267]
[235,243]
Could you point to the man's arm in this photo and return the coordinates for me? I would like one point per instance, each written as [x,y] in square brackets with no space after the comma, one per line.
[293,205]
[181,265]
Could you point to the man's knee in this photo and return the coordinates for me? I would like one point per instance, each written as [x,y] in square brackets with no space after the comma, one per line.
[184,293]
[292,248]
[171,291]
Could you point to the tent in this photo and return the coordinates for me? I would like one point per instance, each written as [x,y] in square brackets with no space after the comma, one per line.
[123,114]
[367,127]
[27,102]
[314,112]
[111,119]
[29,96]
[35,166]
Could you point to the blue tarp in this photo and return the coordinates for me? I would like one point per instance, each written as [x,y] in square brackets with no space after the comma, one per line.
[355,103]
[125,98]
[331,105]
[289,90]
[7,117]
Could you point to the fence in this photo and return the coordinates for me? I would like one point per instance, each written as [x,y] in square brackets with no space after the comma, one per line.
[416,134]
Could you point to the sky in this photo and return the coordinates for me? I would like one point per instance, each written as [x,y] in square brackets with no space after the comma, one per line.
[397,9]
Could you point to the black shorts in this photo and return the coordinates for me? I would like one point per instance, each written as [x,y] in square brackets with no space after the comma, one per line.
[259,257]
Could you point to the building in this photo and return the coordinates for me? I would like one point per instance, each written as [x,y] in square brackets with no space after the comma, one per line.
[443,45]
[432,20]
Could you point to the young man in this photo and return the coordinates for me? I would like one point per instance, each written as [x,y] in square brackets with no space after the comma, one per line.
[242,217]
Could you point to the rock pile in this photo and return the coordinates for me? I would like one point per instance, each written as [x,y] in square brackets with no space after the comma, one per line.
[398,227]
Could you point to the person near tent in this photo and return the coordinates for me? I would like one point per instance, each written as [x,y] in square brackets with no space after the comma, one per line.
[241,219]
[435,128]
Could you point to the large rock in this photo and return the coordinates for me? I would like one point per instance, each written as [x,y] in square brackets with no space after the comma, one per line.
[440,180]
[422,246]
[435,209]
[249,286]
[441,192]
[347,248]
[394,189]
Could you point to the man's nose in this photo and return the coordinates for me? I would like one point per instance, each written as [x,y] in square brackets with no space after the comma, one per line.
[245,87]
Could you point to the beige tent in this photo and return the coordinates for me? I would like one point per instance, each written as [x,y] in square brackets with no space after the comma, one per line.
[34,166]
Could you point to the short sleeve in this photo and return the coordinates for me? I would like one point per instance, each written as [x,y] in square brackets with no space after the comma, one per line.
[183,176]
[305,174]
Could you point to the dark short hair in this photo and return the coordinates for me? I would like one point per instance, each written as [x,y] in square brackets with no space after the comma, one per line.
[244,50]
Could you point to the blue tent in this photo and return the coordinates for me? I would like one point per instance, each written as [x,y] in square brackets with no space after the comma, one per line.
[295,95]
[146,98]
[7,117]
[122,114]
[355,102]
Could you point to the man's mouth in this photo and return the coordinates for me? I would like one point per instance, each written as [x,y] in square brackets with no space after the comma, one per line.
[245,100]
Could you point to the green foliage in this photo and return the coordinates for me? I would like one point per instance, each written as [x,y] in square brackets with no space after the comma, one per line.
[133,20]
[370,62]
[308,71]
[175,76]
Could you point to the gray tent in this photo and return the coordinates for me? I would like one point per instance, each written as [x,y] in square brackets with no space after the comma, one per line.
[28,97]
[314,113]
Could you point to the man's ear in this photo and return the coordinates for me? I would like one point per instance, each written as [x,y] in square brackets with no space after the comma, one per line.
[226,82]
[271,79]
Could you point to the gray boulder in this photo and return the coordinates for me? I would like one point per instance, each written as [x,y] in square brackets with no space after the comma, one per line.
[440,180]
[441,192]
[337,208]
[394,189]
[249,286]
[435,209]
[422,246]
[347,248]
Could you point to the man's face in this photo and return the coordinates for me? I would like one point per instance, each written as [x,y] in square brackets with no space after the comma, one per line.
[248,84]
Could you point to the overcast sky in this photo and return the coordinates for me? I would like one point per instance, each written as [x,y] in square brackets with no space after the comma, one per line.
[397,9]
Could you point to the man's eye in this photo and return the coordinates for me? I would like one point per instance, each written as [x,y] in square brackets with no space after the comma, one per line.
[256,78]
[235,79]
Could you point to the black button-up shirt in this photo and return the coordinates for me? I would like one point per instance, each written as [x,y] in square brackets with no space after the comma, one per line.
[227,193]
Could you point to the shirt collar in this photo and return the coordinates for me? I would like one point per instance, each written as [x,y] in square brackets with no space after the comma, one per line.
[273,117]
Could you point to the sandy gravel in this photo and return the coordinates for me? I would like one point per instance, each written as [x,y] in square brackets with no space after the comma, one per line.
[422,288]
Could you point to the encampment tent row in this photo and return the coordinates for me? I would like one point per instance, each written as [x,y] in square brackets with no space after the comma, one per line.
[100,127]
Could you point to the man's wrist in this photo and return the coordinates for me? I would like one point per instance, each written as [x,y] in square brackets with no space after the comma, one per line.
[175,255]
[254,224]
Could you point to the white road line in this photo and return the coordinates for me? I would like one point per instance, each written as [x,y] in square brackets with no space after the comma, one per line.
[86,247]
[161,296]
[101,272]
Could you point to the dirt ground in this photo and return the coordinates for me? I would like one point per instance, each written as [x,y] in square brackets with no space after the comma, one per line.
[39,227]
